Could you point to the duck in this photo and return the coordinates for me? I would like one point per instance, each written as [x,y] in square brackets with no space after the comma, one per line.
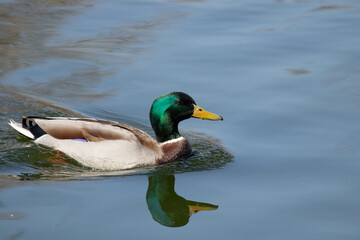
[109,145]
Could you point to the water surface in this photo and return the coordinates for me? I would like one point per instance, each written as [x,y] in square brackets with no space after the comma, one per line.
[284,75]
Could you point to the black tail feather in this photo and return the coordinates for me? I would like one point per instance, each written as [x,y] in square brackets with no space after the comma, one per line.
[32,127]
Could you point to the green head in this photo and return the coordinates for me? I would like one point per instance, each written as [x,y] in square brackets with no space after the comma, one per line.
[168,110]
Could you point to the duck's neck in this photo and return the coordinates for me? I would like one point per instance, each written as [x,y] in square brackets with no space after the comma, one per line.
[165,129]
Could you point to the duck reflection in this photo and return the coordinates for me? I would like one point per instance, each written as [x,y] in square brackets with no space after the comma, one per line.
[168,208]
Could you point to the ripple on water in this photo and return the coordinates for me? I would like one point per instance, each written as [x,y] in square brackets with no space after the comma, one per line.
[33,162]
[208,154]
[45,164]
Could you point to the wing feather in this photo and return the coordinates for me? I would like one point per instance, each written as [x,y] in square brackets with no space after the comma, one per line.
[93,130]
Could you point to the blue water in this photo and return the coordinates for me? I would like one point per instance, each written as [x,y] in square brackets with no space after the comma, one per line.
[284,75]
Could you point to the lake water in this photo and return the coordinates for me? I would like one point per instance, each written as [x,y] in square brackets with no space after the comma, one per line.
[285,75]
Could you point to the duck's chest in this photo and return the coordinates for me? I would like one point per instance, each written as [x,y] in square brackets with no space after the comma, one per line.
[173,150]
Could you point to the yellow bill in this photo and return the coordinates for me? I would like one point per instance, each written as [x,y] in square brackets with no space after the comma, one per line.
[195,207]
[201,113]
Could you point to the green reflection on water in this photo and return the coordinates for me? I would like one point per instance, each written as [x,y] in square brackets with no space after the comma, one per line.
[168,208]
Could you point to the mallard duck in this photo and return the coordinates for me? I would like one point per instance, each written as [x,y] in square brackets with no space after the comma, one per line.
[109,145]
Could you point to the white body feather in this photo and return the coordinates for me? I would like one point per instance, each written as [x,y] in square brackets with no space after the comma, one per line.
[105,155]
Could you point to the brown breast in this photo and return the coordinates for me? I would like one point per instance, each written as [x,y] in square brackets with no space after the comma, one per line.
[174,150]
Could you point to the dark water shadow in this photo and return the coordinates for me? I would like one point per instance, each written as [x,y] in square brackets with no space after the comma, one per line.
[297,71]
[332,7]
[18,235]
[167,207]
[12,216]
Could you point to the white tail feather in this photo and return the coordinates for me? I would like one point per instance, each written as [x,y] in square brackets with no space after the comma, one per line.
[20,129]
